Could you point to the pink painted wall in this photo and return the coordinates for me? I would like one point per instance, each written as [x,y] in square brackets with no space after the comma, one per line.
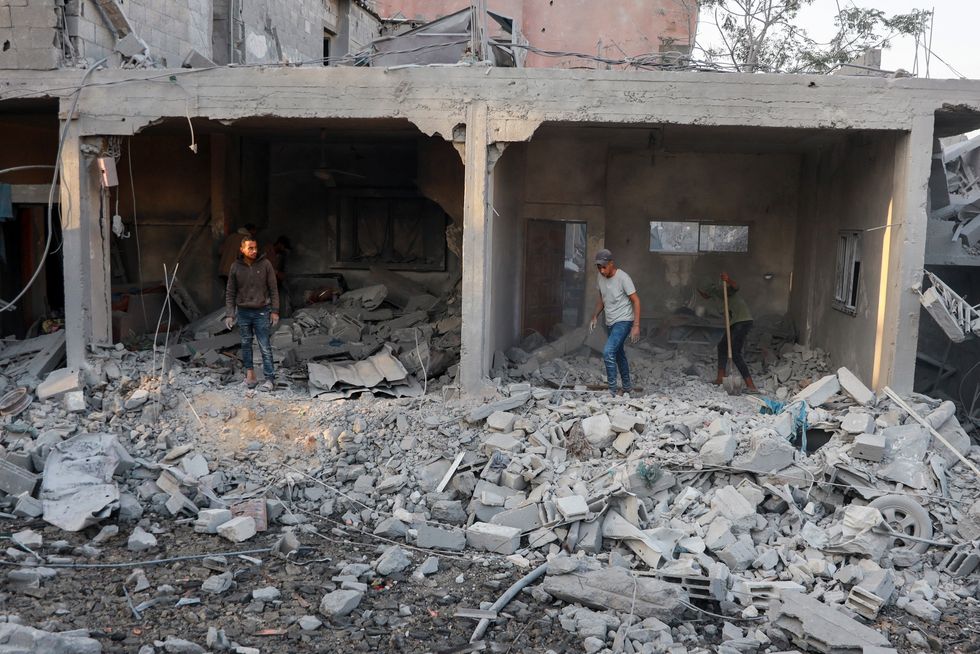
[610,28]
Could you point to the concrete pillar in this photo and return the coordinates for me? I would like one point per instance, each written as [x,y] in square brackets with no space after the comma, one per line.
[903,262]
[477,253]
[88,314]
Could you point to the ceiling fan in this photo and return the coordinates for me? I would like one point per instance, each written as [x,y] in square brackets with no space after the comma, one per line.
[323,172]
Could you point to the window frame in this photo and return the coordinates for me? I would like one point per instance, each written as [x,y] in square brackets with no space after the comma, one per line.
[847,271]
[700,225]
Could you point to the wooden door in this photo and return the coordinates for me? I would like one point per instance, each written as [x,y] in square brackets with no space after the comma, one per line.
[544,262]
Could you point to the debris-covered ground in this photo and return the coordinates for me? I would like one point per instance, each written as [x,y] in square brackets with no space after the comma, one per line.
[189,514]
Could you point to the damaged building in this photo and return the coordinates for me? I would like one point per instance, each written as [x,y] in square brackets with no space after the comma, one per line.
[439,467]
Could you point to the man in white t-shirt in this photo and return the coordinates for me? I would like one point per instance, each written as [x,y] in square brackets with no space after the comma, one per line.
[618,298]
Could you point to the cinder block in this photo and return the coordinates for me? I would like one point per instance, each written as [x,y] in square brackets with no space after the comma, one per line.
[238,529]
[14,480]
[436,538]
[870,447]
[525,518]
[40,13]
[493,538]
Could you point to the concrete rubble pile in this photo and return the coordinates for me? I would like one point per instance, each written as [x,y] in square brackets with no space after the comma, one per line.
[369,339]
[802,520]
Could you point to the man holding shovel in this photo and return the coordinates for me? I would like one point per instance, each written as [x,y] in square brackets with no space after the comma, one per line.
[740,319]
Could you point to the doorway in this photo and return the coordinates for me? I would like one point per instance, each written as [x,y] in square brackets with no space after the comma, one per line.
[555,273]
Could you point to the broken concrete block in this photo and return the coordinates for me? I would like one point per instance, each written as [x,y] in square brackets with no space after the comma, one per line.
[340,603]
[525,518]
[855,387]
[28,507]
[621,422]
[59,382]
[731,504]
[819,392]
[309,623]
[14,480]
[498,539]
[870,447]
[141,540]
[624,442]
[719,535]
[598,431]
[391,528]
[75,402]
[719,451]
[21,638]
[617,589]
[766,454]
[815,626]
[739,555]
[573,507]
[267,594]
[217,584]
[501,421]
[195,59]
[864,603]
[858,422]
[137,399]
[238,529]
[431,537]
[500,442]
[208,520]
[394,560]
[924,610]
[131,45]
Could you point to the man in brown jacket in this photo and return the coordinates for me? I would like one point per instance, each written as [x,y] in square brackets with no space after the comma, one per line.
[253,291]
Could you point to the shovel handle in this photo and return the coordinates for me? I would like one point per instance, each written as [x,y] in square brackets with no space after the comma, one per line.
[728,325]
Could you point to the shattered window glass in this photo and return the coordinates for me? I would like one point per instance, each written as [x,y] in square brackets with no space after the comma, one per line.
[674,237]
[724,238]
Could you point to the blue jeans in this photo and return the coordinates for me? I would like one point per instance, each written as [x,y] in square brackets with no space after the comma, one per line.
[256,322]
[614,355]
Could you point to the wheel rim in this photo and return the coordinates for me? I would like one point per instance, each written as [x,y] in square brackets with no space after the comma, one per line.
[900,522]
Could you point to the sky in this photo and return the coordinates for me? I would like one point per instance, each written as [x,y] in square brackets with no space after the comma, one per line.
[954,36]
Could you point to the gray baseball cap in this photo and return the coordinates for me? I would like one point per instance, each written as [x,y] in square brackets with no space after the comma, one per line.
[602,257]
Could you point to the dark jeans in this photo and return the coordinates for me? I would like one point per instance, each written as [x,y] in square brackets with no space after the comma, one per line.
[614,355]
[256,322]
[740,331]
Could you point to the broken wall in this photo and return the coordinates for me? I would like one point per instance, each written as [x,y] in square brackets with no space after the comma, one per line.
[846,188]
[31,34]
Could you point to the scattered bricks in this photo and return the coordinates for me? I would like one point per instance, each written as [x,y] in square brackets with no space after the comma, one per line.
[493,538]
[501,421]
[14,480]
[870,447]
[598,431]
[573,507]
[141,540]
[524,519]
[208,520]
[59,382]
[819,392]
[429,537]
[238,529]
[394,560]
[858,422]
[854,387]
[719,450]
[340,603]
[864,603]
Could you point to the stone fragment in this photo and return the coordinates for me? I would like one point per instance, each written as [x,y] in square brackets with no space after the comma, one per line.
[855,387]
[217,584]
[137,399]
[28,538]
[497,442]
[428,567]
[208,520]
[431,537]
[858,422]
[498,539]
[815,626]
[525,518]
[731,504]
[450,511]
[573,507]
[339,603]
[58,382]
[141,540]
[267,594]
[617,589]
[394,560]
[719,451]
[598,431]
[924,610]
[391,484]
[391,528]
[75,402]
[622,422]
[766,454]
[819,392]
[309,623]
[624,442]
[238,529]
[501,421]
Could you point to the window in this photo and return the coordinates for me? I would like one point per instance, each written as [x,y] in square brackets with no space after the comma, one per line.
[327,35]
[691,237]
[848,272]
[401,232]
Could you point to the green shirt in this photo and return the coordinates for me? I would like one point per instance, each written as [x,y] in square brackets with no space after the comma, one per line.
[738,310]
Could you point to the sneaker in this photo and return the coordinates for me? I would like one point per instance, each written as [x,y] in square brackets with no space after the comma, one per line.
[267,386]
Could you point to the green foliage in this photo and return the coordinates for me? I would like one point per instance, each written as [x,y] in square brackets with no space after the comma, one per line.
[762,35]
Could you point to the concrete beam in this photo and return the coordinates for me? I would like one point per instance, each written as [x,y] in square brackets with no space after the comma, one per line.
[88,317]
[903,260]
[475,352]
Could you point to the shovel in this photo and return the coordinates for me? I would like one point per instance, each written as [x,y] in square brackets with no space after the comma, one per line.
[731,382]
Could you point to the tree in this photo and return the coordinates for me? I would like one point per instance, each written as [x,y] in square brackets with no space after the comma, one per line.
[761,35]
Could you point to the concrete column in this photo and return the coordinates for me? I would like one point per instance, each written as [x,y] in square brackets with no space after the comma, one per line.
[88,314]
[903,262]
[477,253]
